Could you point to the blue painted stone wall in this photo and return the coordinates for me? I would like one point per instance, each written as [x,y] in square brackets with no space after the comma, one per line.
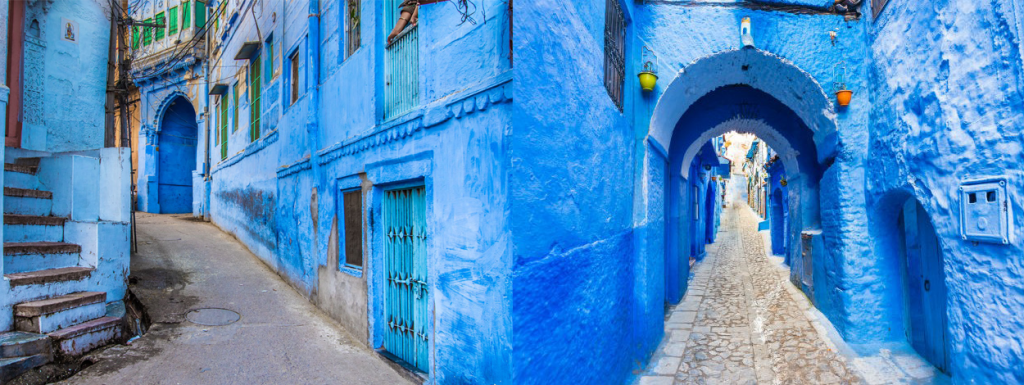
[581,299]
[950,107]
[279,194]
[65,81]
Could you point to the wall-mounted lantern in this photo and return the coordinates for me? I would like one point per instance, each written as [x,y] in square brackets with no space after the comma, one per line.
[648,70]
[843,95]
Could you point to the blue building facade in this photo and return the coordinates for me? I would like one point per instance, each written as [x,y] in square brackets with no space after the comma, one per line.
[563,221]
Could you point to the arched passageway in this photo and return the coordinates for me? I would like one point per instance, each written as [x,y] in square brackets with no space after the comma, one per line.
[176,157]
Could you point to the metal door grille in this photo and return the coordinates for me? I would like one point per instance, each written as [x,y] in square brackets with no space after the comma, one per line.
[614,51]
[402,65]
[405,226]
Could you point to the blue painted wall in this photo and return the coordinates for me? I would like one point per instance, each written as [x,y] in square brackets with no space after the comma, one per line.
[949,78]
[279,194]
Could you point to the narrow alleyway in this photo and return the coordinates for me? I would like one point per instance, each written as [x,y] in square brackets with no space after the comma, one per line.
[743,322]
[183,265]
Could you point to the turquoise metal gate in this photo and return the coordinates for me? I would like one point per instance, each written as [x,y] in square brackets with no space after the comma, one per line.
[405,258]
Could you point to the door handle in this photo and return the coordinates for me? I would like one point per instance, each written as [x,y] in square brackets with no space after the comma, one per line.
[927,285]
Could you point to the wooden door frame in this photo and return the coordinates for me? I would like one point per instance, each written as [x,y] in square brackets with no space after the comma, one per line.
[15,72]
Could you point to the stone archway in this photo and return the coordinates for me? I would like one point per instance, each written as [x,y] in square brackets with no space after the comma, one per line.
[748,91]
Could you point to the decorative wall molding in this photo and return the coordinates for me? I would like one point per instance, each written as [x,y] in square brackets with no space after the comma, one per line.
[495,90]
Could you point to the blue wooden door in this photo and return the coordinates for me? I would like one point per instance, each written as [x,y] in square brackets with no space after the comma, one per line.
[405,259]
[924,287]
[177,158]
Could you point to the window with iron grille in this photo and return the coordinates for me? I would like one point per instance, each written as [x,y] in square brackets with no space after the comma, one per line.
[401,65]
[270,59]
[352,27]
[614,51]
[352,202]
[160,19]
[877,6]
[255,96]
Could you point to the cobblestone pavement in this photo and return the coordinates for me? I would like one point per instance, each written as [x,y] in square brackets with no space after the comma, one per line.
[740,322]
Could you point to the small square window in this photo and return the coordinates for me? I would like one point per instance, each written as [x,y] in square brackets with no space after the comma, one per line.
[990,196]
[353,222]
[972,198]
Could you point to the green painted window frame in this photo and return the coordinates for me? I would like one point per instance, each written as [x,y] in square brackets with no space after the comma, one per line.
[269,62]
[147,33]
[255,96]
[186,15]
[234,112]
[172,22]
[160,18]
[223,112]
[200,12]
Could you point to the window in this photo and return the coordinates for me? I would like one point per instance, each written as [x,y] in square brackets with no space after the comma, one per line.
[172,25]
[200,14]
[614,51]
[255,83]
[294,72]
[136,37]
[269,65]
[147,33]
[401,66]
[223,127]
[353,212]
[352,27]
[877,6]
[186,15]
[234,108]
[160,19]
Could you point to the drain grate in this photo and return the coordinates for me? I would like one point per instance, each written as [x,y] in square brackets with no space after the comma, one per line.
[212,317]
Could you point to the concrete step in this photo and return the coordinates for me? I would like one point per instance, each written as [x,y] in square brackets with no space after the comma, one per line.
[11,368]
[52,314]
[21,257]
[22,201]
[79,339]
[27,228]
[20,176]
[42,277]
[20,344]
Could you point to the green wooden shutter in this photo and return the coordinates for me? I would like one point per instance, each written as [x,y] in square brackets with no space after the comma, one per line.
[200,14]
[147,33]
[255,84]
[160,31]
[172,26]
[234,108]
[136,37]
[186,15]
[223,128]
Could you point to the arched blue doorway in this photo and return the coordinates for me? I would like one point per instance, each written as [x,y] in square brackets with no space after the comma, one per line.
[924,285]
[709,212]
[176,154]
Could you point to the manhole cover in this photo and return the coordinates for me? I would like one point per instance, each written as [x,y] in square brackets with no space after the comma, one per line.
[212,317]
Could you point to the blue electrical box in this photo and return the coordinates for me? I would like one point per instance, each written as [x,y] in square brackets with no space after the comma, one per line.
[985,211]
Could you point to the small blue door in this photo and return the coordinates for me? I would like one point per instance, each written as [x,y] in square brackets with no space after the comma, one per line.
[405,259]
[177,158]
[924,286]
